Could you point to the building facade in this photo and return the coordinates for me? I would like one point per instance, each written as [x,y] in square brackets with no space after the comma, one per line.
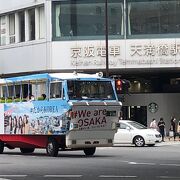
[67,35]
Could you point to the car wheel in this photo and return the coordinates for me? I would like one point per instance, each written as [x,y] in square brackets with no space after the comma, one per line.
[139,141]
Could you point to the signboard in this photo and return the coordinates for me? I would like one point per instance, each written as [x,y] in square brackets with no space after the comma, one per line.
[131,53]
[153,107]
[36,117]
[90,118]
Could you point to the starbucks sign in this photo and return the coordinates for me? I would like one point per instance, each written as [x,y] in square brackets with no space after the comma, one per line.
[153,107]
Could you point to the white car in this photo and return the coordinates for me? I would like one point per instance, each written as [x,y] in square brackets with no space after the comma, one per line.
[131,132]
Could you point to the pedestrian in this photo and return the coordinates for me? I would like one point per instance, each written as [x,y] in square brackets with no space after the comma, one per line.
[161,125]
[153,124]
[178,129]
[172,129]
[43,96]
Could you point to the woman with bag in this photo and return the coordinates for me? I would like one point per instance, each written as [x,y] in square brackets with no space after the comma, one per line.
[172,130]
[153,124]
[178,129]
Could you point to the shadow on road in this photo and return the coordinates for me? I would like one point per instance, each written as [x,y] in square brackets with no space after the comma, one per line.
[61,154]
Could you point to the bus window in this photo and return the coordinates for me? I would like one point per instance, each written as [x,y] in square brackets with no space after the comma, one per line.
[38,88]
[90,90]
[8,91]
[56,90]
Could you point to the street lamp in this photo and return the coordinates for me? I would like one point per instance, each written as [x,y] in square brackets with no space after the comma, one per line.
[106,34]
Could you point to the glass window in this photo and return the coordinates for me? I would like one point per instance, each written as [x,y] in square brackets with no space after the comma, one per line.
[79,90]
[7,91]
[41,23]
[3,30]
[31,24]
[153,17]
[38,89]
[122,126]
[137,125]
[84,18]
[12,28]
[56,90]
[18,91]
[22,26]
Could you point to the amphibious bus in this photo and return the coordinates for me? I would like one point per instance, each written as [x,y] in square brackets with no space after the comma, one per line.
[58,111]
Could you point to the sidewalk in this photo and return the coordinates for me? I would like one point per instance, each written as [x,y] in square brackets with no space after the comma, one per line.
[169,142]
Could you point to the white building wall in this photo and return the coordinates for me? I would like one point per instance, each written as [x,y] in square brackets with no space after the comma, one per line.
[29,57]
[32,55]
[11,5]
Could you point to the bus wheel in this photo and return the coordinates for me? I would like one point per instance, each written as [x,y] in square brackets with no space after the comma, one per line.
[89,151]
[27,150]
[1,147]
[52,148]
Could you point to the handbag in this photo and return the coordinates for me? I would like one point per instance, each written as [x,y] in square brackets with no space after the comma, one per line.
[171,133]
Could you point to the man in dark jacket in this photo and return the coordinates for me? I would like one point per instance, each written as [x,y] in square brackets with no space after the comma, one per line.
[161,125]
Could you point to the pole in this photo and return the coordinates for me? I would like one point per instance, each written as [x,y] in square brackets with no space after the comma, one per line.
[106,34]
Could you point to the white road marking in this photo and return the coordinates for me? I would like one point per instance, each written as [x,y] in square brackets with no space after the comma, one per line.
[141,163]
[62,176]
[170,165]
[114,176]
[168,177]
[13,175]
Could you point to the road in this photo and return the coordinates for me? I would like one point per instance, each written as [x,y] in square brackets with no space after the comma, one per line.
[124,162]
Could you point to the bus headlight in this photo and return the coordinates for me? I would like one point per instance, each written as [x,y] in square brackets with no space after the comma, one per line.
[74,126]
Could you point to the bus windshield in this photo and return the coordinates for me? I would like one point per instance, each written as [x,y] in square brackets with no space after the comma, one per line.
[98,90]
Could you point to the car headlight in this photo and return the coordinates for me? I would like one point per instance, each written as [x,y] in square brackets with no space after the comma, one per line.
[158,135]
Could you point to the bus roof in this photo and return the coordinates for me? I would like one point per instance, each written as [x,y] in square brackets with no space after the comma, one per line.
[51,76]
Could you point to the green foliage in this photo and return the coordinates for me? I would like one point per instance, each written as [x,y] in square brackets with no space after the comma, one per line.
[2,100]
[40,98]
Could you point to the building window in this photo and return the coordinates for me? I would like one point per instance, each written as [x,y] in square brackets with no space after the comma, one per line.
[12,28]
[41,23]
[3,30]
[84,18]
[21,26]
[31,24]
[154,17]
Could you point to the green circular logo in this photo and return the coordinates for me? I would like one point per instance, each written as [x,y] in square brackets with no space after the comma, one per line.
[153,107]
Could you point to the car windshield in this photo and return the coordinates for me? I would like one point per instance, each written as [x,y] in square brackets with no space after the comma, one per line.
[99,90]
[137,125]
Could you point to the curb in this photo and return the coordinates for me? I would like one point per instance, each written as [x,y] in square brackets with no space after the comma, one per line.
[168,143]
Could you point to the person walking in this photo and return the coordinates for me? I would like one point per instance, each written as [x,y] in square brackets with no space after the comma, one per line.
[161,125]
[153,124]
[172,128]
[178,129]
